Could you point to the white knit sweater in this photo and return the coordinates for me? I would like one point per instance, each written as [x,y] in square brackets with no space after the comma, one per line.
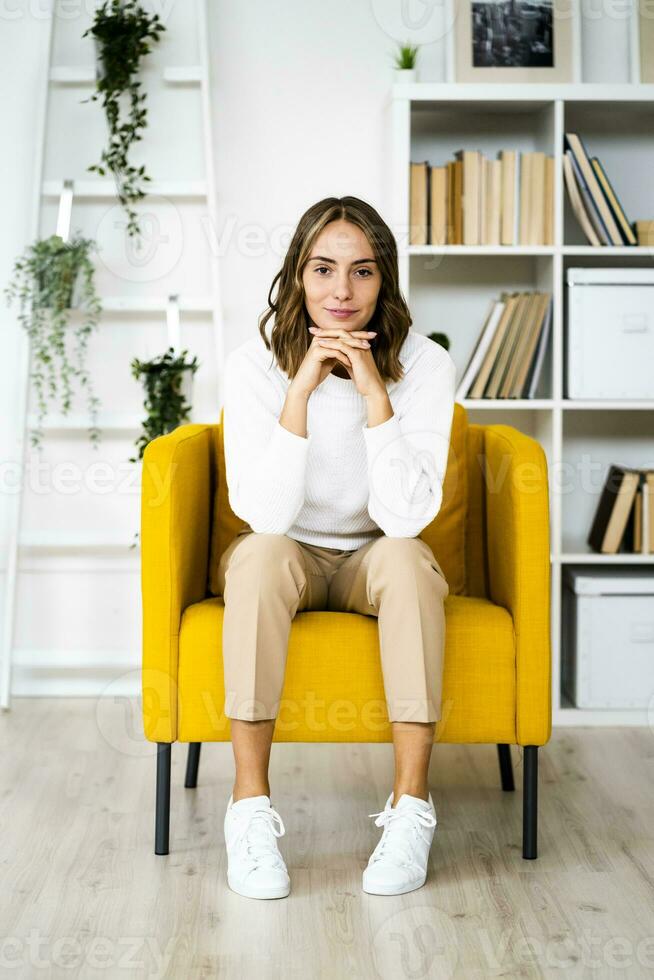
[343,484]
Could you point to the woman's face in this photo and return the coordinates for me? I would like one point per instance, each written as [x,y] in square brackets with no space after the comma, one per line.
[341,274]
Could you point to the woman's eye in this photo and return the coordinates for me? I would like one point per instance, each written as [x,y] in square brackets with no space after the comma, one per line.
[323,268]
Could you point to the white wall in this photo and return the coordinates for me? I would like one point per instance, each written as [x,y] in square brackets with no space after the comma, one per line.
[299,112]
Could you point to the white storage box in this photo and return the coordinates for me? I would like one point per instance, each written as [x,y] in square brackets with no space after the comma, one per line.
[610,333]
[608,618]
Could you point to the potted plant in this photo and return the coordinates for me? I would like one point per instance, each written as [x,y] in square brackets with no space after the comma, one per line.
[405,63]
[51,279]
[168,381]
[122,32]
[440,338]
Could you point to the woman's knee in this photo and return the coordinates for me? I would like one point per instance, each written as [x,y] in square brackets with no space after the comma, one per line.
[265,551]
[401,556]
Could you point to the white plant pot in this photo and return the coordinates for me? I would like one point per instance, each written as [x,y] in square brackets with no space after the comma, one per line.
[406,75]
[186,385]
[99,62]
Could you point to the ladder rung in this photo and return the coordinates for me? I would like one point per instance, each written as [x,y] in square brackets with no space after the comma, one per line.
[40,659]
[115,422]
[44,541]
[107,188]
[85,75]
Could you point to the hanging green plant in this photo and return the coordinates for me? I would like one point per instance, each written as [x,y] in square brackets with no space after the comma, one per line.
[122,31]
[52,278]
[164,379]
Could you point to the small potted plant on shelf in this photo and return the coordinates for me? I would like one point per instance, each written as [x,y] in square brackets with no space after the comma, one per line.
[405,63]
[168,382]
[52,279]
[122,32]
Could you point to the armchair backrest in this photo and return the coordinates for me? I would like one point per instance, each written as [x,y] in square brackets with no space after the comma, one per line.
[446,535]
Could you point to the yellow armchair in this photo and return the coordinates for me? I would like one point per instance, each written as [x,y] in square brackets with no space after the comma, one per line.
[491,537]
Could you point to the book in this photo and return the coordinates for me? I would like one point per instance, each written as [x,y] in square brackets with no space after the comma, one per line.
[592,211]
[613,510]
[548,218]
[479,351]
[536,366]
[494,213]
[438,206]
[470,193]
[508,206]
[525,355]
[575,143]
[419,203]
[642,518]
[506,315]
[536,199]
[525,197]
[505,352]
[613,202]
[576,202]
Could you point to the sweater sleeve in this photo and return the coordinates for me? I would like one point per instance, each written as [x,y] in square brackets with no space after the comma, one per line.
[407,455]
[265,462]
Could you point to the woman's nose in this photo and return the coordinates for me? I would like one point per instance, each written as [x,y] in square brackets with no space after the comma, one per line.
[342,290]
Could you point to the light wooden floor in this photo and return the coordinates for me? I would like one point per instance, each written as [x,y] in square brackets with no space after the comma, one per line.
[83,895]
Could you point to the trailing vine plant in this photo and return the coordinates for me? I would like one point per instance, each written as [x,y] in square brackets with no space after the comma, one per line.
[122,32]
[47,278]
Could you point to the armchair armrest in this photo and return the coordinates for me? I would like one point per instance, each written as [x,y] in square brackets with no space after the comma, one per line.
[176,503]
[518,547]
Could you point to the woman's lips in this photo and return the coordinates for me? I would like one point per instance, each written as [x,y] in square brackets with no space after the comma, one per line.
[342,314]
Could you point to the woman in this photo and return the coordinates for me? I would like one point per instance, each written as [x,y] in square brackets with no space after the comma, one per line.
[335,452]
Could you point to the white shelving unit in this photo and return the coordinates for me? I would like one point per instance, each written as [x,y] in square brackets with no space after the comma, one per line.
[450,287]
[82,544]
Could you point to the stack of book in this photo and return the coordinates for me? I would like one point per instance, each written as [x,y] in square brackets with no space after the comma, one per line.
[473,200]
[624,519]
[508,357]
[593,198]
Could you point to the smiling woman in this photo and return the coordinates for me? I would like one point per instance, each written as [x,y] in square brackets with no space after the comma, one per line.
[335,456]
[342,257]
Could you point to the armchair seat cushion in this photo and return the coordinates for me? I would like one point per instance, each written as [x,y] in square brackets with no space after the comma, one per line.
[334,690]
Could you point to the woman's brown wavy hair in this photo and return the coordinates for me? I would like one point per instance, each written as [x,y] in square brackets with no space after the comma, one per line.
[290,337]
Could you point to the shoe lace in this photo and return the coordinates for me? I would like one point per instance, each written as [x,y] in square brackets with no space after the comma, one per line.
[394,845]
[256,836]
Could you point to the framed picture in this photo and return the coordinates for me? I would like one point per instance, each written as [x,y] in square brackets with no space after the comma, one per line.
[642,41]
[514,40]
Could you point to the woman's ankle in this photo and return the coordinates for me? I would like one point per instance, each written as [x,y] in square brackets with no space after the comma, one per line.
[240,792]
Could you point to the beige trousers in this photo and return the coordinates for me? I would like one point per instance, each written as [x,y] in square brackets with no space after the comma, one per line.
[265,579]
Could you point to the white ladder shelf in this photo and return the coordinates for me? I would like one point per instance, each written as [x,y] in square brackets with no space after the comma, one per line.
[21,541]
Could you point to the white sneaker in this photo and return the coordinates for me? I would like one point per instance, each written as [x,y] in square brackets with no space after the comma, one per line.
[398,864]
[255,867]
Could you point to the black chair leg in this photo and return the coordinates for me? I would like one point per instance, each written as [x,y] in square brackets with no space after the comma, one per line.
[192,763]
[506,766]
[530,802]
[162,817]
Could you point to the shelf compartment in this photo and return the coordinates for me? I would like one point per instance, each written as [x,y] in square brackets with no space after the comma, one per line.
[619,133]
[460,288]
[624,438]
